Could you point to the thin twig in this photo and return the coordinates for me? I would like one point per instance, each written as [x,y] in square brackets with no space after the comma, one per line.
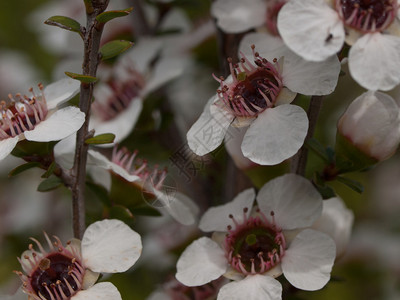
[90,62]
[299,161]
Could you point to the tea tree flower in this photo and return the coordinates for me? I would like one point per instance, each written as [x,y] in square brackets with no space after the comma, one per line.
[37,118]
[257,96]
[70,271]
[252,246]
[317,29]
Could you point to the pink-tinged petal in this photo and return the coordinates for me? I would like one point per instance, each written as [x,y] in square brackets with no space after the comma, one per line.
[311,29]
[59,125]
[308,262]
[293,199]
[208,132]
[217,218]
[253,287]
[374,61]
[234,16]
[7,145]
[201,262]
[277,134]
[100,291]
[61,91]
[110,246]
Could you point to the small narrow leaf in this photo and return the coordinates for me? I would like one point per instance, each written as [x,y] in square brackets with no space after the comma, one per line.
[64,23]
[23,168]
[315,146]
[112,14]
[120,212]
[81,78]
[50,170]
[353,184]
[49,184]
[104,138]
[114,48]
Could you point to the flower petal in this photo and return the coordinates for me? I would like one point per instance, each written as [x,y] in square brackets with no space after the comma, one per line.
[201,262]
[61,91]
[57,126]
[276,134]
[209,130]
[253,287]
[100,291]
[308,261]
[293,199]
[110,246]
[374,61]
[233,143]
[7,145]
[217,218]
[311,29]
[234,16]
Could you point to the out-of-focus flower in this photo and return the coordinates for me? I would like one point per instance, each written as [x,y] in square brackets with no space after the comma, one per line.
[371,124]
[257,96]
[254,246]
[37,118]
[336,221]
[234,16]
[150,182]
[317,29]
[69,272]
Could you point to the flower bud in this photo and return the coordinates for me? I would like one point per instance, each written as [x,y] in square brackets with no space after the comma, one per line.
[371,127]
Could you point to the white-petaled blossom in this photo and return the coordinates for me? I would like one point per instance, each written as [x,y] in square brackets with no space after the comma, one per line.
[70,271]
[37,117]
[253,246]
[257,96]
[317,29]
[372,124]
[125,165]
[119,99]
[234,16]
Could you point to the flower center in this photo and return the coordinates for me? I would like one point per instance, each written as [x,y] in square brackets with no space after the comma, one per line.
[123,92]
[21,113]
[273,8]
[253,89]
[367,15]
[255,246]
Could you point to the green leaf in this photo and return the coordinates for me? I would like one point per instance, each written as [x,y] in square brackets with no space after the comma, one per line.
[101,193]
[315,146]
[114,48]
[81,78]
[325,190]
[50,170]
[353,184]
[49,184]
[120,212]
[104,138]
[23,168]
[146,210]
[64,23]
[112,14]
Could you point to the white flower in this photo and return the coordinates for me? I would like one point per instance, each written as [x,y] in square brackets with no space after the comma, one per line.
[108,246]
[123,164]
[257,96]
[37,118]
[254,247]
[372,124]
[317,29]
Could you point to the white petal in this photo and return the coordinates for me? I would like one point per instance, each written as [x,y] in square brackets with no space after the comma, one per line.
[267,45]
[275,135]
[308,262]
[7,145]
[201,262]
[253,287]
[64,151]
[285,96]
[110,246]
[233,143]
[209,130]
[293,199]
[57,126]
[217,218]
[100,291]
[61,91]
[374,61]
[234,16]
[311,29]
[157,295]
[122,124]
